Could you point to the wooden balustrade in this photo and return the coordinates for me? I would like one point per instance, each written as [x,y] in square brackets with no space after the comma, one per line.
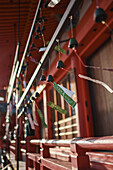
[22,150]
[72,154]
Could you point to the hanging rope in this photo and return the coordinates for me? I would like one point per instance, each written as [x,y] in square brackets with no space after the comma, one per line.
[97,4]
[93,67]
[71,18]
[43,40]
[103,22]
[57,40]
[97,82]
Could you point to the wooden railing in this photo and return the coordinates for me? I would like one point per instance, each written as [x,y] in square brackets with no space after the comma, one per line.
[22,150]
[69,154]
[66,128]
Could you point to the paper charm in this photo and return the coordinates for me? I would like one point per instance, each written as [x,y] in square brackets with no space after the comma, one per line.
[56,107]
[66,97]
[68,92]
[31,121]
[42,118]
[97,82]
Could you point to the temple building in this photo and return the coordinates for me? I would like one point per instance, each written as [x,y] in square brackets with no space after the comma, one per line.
[56,85]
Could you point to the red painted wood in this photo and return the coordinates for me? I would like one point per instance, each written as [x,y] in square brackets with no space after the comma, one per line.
[56,164]
[49,123]
[37,127]
[101,143]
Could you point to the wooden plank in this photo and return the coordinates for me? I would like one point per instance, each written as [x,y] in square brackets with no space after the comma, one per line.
[109,79]
[55,164]
[102,102]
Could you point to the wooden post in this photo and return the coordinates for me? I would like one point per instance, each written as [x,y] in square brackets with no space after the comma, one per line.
[44,154]
[29,148]
[37,127]
[47,114]
[80,161]
[85,122]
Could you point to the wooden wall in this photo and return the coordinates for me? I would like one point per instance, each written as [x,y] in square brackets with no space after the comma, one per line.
[101,99]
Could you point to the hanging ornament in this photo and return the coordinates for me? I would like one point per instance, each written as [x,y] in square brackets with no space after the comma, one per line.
[67,94]
[40,20]
[43,28]
[37,94]
[60,63]
[32,98]
[23,68]
[73,42]
[52,3]
[38,29]
[29,101]
[46,4]
[42,78]
[49,77]
[44,19]
[40,33]
[36,37]
[32,45]
[56,107]
[29,55]
[100,15]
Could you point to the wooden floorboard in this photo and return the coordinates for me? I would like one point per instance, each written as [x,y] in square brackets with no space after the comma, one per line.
[14,162]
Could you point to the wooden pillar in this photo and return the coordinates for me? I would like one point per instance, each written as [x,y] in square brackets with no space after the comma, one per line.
[80,161]
[37,121]
[48,116]
[44,154]
[85,122]
[29,148]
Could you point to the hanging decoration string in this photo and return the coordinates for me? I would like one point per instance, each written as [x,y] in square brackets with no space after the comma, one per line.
[97,82]
[104,23]
[97,4]
[57,40]
[40,12]
[92,67]
[71,18]
[34,60]
[43,39]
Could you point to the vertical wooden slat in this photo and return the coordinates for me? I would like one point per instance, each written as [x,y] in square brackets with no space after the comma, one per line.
[102,100]
[63,115]
[70,113]
[56,115]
